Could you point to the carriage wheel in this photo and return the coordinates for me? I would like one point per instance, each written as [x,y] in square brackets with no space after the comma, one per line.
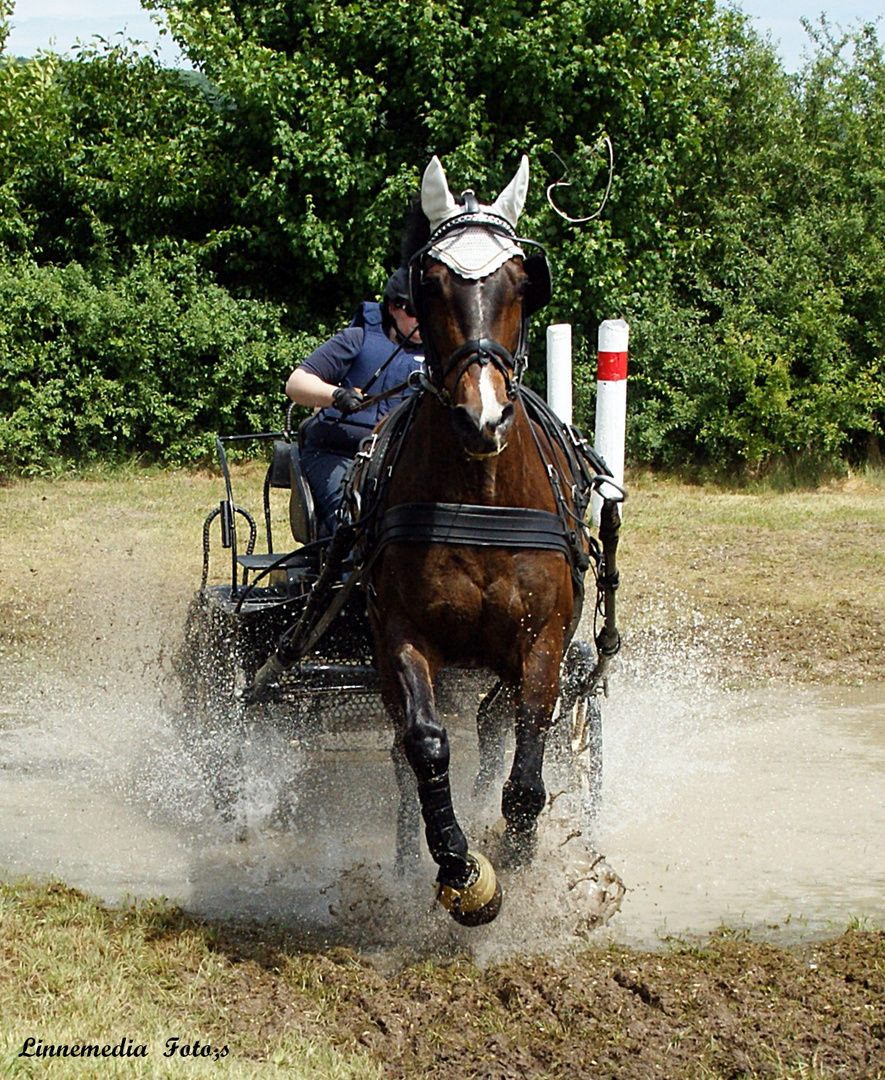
[578,747]
[213,721]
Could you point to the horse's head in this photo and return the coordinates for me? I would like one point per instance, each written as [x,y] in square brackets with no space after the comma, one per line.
[473,289]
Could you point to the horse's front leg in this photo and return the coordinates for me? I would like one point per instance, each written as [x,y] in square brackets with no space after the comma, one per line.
[468,887]
[524,795]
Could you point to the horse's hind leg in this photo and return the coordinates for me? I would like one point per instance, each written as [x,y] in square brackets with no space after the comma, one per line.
[492,717]
[408,811]
[524,795]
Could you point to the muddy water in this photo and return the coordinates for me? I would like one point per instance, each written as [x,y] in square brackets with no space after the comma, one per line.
[762,809]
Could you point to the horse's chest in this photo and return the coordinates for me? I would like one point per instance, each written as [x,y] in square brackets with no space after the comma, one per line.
[469,600]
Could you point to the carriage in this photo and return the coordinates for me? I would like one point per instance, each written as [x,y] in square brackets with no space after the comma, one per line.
[428,587]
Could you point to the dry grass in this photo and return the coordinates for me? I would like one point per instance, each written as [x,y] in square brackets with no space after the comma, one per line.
[793,583]
[797,579]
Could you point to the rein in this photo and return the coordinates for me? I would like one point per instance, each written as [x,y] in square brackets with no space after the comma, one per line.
[375,399]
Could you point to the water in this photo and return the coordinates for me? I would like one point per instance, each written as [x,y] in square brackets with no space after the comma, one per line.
[762,809]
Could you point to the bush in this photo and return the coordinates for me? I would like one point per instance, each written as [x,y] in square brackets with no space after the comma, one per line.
[166,234]
[152,363]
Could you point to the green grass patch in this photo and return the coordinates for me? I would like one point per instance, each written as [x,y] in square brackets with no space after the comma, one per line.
[74,973]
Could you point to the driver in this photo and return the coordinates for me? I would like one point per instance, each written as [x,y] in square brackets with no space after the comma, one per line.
[375,354]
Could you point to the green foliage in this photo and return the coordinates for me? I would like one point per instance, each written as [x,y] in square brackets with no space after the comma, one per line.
[150,364]
[742,238]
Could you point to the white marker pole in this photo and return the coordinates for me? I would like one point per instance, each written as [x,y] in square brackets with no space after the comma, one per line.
[611,401]
[559,370]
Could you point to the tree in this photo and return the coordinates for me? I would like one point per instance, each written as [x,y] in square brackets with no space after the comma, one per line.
[741,237]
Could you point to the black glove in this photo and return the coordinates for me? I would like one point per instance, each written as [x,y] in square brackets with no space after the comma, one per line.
[347,399]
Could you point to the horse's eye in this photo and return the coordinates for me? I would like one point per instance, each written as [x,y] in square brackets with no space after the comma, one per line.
[432,285]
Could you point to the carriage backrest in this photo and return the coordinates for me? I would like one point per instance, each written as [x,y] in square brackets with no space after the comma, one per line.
[285,472]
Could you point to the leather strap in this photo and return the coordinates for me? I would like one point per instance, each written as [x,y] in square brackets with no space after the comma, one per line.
[476,526]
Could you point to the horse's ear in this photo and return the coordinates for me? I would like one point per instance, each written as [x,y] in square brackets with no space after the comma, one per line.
[510,202]
[437,202]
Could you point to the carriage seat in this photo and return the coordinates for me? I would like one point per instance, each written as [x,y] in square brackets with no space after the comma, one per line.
[284,472]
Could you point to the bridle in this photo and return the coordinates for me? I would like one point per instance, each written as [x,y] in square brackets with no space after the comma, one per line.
[484,350]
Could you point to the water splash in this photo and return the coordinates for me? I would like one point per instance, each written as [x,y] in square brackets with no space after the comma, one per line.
[709,801]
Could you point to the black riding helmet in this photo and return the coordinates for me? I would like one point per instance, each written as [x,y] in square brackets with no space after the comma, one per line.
[396,291]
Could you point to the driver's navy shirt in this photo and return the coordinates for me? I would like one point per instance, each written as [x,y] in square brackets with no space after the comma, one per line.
[353,357]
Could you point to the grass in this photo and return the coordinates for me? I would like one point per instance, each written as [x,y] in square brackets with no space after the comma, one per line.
[120,553]
[803,571]
[72,971]
[812,559]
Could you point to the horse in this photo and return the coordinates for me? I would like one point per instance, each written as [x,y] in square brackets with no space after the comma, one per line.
[473,569]
[469,537]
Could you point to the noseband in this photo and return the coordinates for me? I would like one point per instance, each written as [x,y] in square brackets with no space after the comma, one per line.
[482,351]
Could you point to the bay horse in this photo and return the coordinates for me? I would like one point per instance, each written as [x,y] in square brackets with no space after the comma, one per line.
[468,537]
[472,566]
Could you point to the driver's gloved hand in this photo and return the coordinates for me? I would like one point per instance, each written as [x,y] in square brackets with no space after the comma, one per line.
[347,399]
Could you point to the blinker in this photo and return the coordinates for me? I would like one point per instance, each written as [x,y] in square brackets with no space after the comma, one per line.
[540,286]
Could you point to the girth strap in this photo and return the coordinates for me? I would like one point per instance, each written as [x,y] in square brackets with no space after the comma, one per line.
[482,526]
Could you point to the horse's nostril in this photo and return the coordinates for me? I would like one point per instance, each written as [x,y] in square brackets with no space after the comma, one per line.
[465,424]
[502,421]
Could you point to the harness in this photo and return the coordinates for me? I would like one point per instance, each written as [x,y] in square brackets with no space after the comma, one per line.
[368,526]
[480,526]
[572,466]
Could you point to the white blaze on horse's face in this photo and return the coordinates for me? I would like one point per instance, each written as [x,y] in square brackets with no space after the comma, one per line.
[491,409]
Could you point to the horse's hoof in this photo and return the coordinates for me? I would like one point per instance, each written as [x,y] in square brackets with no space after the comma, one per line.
[477,903]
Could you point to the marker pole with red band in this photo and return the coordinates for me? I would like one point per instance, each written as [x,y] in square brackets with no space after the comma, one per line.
[559,370]
[611,400]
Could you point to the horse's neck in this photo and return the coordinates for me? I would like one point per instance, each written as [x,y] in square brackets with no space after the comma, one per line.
[435,468]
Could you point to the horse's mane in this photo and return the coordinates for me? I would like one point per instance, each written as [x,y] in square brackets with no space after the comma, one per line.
[417,230]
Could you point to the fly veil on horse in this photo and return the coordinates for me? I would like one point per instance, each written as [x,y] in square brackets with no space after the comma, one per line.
[469,534]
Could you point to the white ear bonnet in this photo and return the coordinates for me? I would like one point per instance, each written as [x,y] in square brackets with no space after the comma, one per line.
[474,251]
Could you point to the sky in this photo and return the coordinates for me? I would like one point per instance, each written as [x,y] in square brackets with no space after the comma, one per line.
[58,24]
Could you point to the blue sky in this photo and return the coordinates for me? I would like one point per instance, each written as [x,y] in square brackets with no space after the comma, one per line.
[57,24]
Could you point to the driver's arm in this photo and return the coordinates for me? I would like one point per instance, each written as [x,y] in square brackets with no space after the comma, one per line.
[305,388]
